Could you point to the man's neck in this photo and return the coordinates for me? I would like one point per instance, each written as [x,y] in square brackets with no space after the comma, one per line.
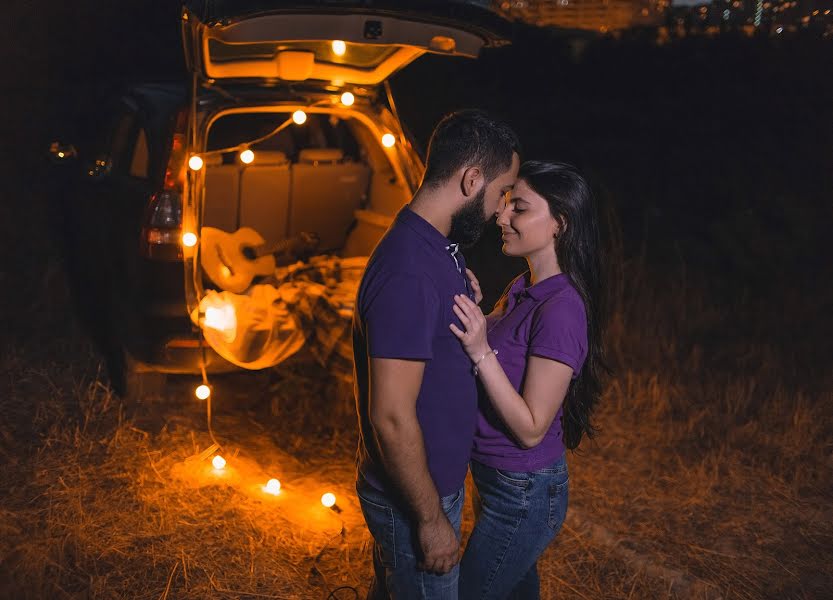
[433,206]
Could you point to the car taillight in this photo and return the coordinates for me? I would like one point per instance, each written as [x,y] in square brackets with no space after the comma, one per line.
[161,236]
[162,233]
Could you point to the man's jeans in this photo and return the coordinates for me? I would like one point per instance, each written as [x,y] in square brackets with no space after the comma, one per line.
[396,550]
[518,515]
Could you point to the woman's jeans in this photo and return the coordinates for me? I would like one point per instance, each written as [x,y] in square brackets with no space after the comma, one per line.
[518,515]
[396,549]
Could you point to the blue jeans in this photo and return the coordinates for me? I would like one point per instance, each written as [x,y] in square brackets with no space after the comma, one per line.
[396,550]
[518,515]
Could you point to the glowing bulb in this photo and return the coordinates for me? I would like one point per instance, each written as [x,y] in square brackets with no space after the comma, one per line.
[339,47]
[347,99]
[61,154]
[300,117]
[223,319]
[247,157]
[388,140]
[328,500]
[189,240]
[273,486]
[218,462]
[203,392]
[195,163]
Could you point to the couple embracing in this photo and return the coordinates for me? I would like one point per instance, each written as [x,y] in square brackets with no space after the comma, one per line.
[441,388]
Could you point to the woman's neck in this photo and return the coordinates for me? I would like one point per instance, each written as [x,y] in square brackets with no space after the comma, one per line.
[542,266]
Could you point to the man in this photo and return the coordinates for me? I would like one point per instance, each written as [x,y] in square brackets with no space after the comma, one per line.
[415,391]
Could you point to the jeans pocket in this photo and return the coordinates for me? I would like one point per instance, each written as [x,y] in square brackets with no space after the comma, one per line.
[382,526]
[516,478]
[448,502]
[558,495]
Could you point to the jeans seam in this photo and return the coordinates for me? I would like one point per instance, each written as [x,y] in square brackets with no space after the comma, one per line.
[494,572]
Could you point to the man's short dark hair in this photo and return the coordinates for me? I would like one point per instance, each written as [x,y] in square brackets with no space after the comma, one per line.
[469,138]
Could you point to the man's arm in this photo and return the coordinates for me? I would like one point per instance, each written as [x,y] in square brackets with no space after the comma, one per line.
[394,388]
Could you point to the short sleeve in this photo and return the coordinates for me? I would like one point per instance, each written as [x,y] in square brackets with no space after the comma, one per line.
[401,317]
[559,332]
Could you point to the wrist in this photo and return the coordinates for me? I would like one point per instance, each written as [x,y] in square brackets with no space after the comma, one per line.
[478,362]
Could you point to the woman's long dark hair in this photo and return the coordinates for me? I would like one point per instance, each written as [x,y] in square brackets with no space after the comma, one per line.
[578,249]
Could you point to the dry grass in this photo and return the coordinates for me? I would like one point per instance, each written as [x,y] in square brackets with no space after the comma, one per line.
[710,477]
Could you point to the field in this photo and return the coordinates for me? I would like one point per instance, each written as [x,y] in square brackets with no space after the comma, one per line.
[712,472]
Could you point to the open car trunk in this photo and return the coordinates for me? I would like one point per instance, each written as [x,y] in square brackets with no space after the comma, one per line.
[288,207]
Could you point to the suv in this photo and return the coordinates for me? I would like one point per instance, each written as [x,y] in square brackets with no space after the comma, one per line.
[286,134]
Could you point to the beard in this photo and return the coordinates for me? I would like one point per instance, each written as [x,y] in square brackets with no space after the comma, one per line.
[467,224]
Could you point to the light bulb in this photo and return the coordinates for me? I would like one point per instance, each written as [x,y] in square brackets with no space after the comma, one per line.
[247,157]
[273,486]
[218,462]
[347,99]
[195,163]
[339,47]
[300,117]
[328,500]
[202,392]
[189,239]
[388,140]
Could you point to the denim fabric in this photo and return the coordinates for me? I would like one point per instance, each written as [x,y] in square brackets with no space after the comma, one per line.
[518,515]
[396,551]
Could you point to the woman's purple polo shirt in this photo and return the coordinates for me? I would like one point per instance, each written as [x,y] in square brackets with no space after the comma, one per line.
[548,320]
[403,310]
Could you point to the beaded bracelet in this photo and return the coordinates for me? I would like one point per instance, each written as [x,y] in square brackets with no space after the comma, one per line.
[477,362]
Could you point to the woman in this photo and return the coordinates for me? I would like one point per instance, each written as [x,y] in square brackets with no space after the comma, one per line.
[539,359]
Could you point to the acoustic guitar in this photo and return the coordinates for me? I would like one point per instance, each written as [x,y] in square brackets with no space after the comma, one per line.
[233,260]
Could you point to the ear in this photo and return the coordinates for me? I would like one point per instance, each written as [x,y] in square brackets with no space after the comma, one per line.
[560,226]
[471,181]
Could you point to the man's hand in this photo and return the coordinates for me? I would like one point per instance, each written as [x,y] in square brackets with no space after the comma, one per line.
[439,545]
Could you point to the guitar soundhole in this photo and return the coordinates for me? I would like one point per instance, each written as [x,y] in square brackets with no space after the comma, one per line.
[249,252]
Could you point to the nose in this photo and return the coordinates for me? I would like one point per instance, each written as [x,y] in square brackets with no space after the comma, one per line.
[502,214]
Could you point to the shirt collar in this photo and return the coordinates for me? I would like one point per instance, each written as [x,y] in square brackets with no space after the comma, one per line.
[425,230]
[540,290]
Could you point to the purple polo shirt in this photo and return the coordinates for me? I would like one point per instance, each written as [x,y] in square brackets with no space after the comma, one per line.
[403,310]
[548,320]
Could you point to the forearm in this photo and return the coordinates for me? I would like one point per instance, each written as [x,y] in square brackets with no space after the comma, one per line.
[508,403]
[403,456]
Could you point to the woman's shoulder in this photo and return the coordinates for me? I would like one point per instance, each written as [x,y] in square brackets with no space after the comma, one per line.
[565,301]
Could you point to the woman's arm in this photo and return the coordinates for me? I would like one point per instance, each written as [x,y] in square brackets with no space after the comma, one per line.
[527,416]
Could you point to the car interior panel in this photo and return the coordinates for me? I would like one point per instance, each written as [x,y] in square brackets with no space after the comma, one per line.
[264,195]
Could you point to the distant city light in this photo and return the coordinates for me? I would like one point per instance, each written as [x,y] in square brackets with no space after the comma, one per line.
[726,14]
[300,117]
[779,30]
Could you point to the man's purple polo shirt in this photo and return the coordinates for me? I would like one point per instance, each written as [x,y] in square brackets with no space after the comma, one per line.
[403,310]
[547,319]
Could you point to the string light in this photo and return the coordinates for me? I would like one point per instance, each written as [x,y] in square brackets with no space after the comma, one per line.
[273,486]
[203,392]
[195,163]
[339,47]
[218,462]
[347,99]
[189,239]
[247,157]
[388,140]
[300,117]
[328,500]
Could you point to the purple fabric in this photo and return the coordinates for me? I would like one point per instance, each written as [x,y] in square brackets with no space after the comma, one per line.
[548,320]
[403,310]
